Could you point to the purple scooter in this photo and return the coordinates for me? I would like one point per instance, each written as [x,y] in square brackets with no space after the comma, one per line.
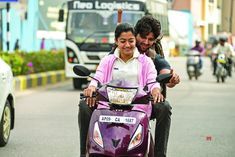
[120,130]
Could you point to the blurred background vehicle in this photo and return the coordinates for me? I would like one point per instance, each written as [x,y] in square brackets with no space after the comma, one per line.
[221,72]
[193,64]
[89,31]
[7,111]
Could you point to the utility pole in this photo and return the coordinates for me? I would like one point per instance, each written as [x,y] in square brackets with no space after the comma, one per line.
[8,27]
[231,17]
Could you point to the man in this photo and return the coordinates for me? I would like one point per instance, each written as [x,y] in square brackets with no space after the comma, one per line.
[200,49]
[148,31]
[227,49]
[146,43]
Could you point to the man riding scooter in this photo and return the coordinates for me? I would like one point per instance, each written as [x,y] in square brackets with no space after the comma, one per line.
[148,35]
[227,49]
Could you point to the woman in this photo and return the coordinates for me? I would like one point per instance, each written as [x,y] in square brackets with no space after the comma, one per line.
[126,63]
[122,65]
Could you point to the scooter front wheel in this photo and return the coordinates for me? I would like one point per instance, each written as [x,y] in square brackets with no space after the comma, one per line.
[151,147]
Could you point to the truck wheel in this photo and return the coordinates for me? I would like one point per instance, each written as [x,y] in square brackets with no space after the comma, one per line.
[78,82]
[5,125]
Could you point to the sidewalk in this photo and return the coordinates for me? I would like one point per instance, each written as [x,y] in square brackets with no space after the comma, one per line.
[40,79]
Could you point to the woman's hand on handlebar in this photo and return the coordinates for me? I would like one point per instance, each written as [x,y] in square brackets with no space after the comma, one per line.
[88,92]
[157,96]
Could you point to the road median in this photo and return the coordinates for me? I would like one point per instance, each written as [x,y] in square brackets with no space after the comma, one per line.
[36,80]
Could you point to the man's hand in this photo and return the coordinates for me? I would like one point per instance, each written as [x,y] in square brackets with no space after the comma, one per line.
[157,96]
[88,92]
[174,80]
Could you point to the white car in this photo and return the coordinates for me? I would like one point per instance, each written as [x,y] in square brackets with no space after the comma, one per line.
[7,111]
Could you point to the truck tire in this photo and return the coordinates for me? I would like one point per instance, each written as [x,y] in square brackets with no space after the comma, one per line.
[78,82]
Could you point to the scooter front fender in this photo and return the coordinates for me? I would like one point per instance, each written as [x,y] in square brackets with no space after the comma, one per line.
[116,136]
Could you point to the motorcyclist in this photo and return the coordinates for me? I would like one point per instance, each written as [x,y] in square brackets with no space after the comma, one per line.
[148,35]
[198,47]
[227,49]
[119,65]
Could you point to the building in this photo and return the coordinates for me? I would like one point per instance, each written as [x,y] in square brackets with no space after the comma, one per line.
[206,16]
[159,9]
[29,26]
[228,14]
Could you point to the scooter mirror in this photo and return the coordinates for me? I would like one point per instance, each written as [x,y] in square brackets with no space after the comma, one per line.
[81,70]
[164,78]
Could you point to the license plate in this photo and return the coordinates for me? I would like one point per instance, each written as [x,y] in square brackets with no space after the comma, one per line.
[117,119]
[191,68]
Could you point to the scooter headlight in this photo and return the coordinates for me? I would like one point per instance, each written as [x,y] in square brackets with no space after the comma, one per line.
[97,135]
[121,96]
[137,138]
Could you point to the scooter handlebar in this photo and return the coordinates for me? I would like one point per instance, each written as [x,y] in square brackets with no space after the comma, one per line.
[82,96]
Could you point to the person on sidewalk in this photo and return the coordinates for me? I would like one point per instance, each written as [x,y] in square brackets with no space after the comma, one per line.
[17,45]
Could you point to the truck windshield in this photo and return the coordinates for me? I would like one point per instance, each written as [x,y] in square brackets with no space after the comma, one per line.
[88,26]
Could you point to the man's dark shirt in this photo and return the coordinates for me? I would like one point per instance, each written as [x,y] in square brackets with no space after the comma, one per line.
[160,63]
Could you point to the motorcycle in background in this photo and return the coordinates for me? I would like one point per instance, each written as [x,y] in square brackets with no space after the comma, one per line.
[221,71]
[119,129]
[193,64]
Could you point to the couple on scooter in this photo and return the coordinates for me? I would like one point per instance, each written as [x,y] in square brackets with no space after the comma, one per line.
[226,49]
[126,62]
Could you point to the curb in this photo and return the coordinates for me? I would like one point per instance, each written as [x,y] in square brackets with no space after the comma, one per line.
[40,79]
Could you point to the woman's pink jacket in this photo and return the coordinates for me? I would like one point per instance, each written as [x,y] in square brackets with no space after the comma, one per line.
[147,73]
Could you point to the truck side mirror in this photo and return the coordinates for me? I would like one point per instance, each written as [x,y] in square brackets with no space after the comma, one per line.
[61,15]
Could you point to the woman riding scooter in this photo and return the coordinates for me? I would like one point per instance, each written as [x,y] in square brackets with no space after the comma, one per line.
[126,63]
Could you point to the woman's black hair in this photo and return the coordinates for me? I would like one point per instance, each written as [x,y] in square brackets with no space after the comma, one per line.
[123,27]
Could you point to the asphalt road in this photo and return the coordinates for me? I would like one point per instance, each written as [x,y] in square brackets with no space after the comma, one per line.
[203,115]
[202,120]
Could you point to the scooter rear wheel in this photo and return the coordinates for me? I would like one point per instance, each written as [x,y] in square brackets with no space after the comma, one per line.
[223,79]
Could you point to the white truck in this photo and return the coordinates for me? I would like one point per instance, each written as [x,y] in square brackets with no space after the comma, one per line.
[90,29]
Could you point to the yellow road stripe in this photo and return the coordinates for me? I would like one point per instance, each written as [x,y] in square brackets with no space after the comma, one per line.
[34,79]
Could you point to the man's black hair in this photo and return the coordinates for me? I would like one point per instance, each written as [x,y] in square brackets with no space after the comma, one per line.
[148,24]
[223,39]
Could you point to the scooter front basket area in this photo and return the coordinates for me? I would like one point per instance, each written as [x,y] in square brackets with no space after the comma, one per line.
[117,129]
